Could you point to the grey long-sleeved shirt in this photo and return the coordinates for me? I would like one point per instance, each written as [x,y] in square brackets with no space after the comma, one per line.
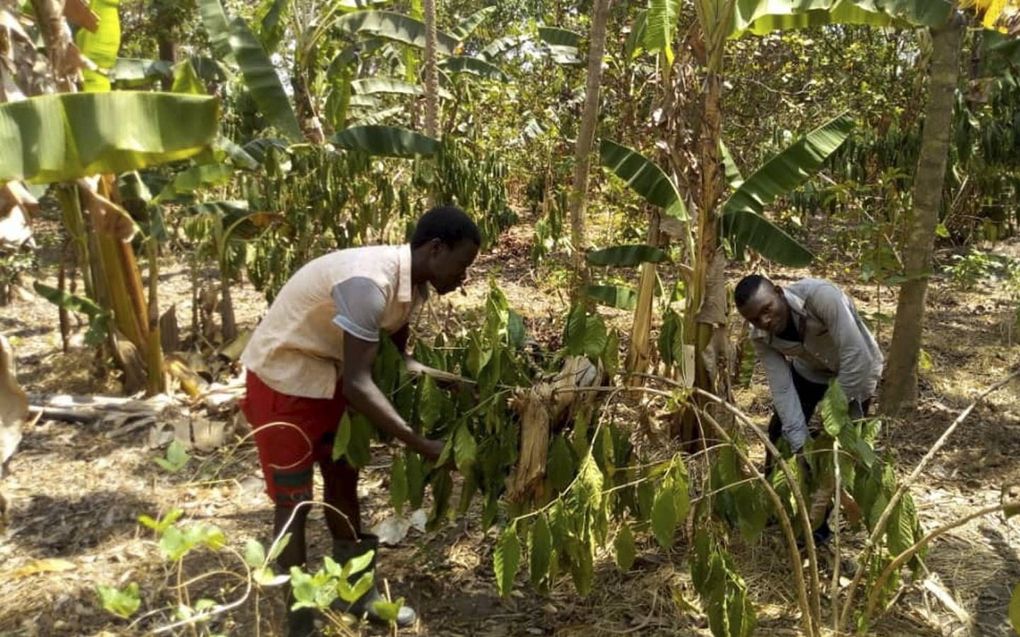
[836,344]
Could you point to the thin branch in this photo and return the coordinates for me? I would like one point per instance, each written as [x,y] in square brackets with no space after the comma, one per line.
[883,521]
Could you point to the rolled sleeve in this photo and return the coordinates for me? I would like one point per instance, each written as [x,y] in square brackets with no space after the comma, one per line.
[784,394]
[360,305]
[856,359]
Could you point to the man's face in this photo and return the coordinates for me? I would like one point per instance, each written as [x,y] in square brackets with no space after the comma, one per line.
[767,309]
[449,265]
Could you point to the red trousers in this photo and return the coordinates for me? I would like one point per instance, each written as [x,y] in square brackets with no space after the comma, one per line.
[292,434]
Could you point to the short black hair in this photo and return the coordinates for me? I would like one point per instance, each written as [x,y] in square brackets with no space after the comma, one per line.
[449,224]
[748,287]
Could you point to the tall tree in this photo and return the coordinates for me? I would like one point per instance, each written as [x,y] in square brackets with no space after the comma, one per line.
[585,138]
[899,391]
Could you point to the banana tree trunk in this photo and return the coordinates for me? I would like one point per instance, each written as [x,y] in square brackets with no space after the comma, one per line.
[309,120]
[585,139]
[431,71]
[640,349]
[899,391]
[706,304]
[57,37]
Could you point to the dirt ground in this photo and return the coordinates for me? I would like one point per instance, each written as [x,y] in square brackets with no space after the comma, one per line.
[75,494]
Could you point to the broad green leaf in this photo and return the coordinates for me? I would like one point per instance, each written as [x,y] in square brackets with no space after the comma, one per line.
[342,440]
[506,560]
[617,296]
[742,213]
[611,355]
[561,464]
[790,168]
[661,25]
[415,479]
[642,176]
[398,483]
[749,229]
[499,46]
[468,25]
[176,457]
[73,302]
[262,80]
[442,488]
[386,610]
[431,403]
[1014,609]
[102,46]
[387,141]
[902,522]
[359,452]
[577,322]
[635,39]
[389,85]
[273,23]
[123,602]
[254,554]
[733,176]
[625,551]
[595,338]
[214,19]
[563,45]
[394,26]
[473,66]
[762,16]
[186,79]
[359,563]
[465,449]
[64,137]
[664,516]
[626,256]
[835,412]
[188,181]
[541,549]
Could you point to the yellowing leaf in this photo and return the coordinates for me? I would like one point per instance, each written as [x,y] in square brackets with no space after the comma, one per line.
[48,565]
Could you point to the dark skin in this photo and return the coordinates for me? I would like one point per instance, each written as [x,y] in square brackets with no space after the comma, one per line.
[445,269]
[767,309]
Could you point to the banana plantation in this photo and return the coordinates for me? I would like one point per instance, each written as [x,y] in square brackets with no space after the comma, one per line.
[677,317]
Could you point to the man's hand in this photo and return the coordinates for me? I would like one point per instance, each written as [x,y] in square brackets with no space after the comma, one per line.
[431,449]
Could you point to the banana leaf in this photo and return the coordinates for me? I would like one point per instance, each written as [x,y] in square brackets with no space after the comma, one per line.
[387,141]
[63,137]
[763,16]
[660,27]
[473,66]
[396,27]
[742,214]
[262,80]
[642,176]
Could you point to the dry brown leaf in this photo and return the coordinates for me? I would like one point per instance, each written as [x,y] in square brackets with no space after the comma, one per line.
[47,565]
[79,14]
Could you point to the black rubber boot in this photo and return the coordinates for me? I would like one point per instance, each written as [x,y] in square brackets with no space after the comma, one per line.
[346,550]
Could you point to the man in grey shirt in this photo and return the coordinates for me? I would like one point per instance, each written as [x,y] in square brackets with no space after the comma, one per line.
[805,335]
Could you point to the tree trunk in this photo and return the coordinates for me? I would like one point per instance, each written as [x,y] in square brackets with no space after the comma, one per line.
[585,139]
[431,72]
[57,38]
[899,391]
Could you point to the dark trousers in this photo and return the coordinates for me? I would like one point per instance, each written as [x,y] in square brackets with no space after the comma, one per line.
[810,394]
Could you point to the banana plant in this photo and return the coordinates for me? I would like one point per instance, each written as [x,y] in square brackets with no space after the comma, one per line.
[743,223]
